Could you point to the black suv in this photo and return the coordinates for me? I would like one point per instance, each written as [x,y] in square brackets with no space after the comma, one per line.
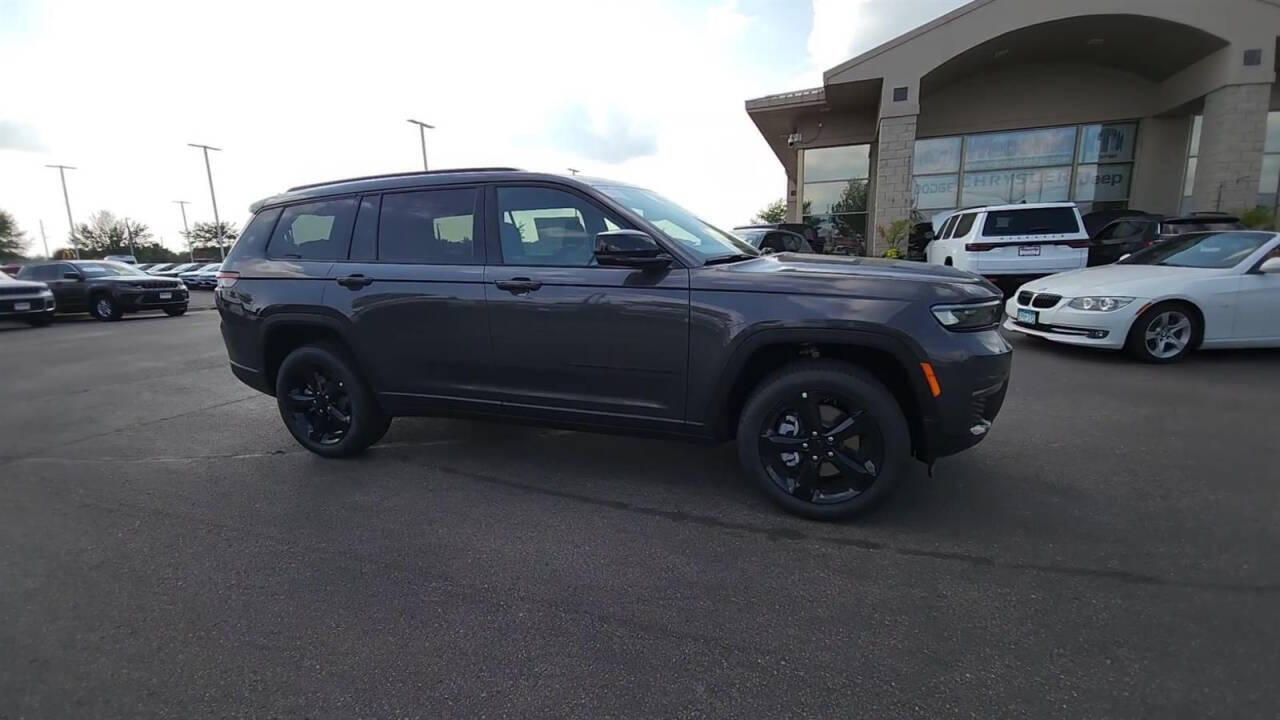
[596,305]
[104,289]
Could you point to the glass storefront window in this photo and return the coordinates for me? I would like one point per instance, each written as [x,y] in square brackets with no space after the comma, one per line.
[841,231]
[937,155]
[935,192]
[847,162]
[827,198]
[1020,149]
[1103,183]
[1015,186]
[1112,142]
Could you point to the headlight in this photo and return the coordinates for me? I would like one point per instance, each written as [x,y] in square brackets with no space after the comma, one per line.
[968,317]
[46,293]
[1100,303]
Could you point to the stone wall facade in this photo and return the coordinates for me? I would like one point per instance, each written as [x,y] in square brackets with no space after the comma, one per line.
[895,149]
[1231,139]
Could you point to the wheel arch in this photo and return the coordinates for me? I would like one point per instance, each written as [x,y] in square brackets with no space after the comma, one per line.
[285,332]
[1179,300]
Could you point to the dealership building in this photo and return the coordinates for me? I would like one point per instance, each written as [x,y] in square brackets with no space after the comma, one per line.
[1166,106]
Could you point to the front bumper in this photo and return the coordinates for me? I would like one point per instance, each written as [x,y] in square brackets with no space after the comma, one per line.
[1069,326]
[36,305]
[135,300]
[973,389]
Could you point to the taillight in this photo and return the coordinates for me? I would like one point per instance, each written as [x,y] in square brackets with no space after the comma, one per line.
[979,247]
[227,278]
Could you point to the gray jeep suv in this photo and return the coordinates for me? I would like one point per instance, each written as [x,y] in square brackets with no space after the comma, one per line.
[596,305]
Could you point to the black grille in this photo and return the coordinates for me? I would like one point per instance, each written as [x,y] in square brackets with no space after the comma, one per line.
[1046,300]
[20,290]
[1024,297]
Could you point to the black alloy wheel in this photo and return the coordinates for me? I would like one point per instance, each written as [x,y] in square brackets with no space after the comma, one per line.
[319,406]
[821,448]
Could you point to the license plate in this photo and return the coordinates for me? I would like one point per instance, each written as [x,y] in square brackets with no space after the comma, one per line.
[166,296]
[22,306]
[1030,317]
[1028,249]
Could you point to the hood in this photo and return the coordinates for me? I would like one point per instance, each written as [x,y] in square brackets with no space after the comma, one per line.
[1116,280]
[8,282]
[844,275]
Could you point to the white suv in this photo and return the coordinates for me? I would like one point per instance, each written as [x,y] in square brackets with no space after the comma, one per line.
[1013,241]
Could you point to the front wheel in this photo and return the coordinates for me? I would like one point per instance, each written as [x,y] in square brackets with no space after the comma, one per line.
[1165,333]
[325,404]
[824,439]
[104,307]
[175,311]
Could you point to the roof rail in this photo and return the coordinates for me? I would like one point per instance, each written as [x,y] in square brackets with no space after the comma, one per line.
[404,174]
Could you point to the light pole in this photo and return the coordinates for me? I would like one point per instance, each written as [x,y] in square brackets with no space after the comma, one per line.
[573,171]
[422,135]
[62,173]
[217,224]
[44,240]
[186,233]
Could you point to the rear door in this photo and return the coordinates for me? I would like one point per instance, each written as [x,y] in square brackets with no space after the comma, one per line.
[572,339]
[412,289]
[1031,241]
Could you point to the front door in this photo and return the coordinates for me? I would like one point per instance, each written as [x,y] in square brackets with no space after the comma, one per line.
[70,294]
[413,291]
[573,339]
[1258,305]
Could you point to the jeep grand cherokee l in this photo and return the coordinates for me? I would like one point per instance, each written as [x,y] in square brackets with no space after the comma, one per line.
[106,290]
[596,305]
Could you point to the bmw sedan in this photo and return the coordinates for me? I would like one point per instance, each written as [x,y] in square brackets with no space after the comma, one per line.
[1201,290]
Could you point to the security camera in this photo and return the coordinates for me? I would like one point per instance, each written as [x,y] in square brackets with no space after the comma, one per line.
[793,139]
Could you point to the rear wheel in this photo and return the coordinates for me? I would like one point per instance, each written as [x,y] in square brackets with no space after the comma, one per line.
[325,404]
[824,439]
[1165,333]
[104,307]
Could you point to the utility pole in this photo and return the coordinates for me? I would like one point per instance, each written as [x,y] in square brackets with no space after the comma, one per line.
[422,135]
[62,173]
[573,171]
[222,254]
[44,240]
[128,232]
[186,233]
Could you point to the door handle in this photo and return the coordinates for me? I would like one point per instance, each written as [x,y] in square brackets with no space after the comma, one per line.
[354,282]
[518,286]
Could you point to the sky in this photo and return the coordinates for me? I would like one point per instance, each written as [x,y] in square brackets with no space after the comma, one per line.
[648,92]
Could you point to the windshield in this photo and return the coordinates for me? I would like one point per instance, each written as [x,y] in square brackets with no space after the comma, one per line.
[106,269]
[1182,228]
[1206,250]
[679,224]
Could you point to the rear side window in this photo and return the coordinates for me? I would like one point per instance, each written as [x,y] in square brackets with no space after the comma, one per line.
[965,224]
[253,241]
[314,231]
[947,226]
[1032,221]
[433,227]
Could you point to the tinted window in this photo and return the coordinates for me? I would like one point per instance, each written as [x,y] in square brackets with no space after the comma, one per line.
[314,231]
[364,239]
[434,226]
[107,269]
[41,272]
[1122,229]
[965,224]
[542,226]
[947,226]
[1032,221]
[750,236]
[253,240]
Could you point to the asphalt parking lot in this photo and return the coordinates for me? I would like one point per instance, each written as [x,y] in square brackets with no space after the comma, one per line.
[167,550]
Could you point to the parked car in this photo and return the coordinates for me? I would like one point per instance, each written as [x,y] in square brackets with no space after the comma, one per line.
[808,233]
[1129,234]
[205,278]
[1010,244]
[106,290]
[918,240]
[158,268]
[126,259]
[1199,290]
[774,241]
[601,306]
[181,268]
[11,270]
[26,301]
[188,278]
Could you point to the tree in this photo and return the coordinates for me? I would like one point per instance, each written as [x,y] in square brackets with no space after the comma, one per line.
[203,237]
[776,211]
[106,234]
[12,240]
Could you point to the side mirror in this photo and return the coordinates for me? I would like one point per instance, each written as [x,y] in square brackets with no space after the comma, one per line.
[69,275]
[629,248]
[1270,266]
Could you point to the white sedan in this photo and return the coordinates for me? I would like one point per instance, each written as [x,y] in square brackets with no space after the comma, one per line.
[1203,290]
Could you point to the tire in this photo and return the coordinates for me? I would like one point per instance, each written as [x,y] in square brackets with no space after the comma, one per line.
[768,425]
[1165,333]
[307,404]
[41,320]
[175,311]
[104,307]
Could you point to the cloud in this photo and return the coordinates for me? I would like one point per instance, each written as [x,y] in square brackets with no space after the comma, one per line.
[610,137]
[843,29]
[19,136]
